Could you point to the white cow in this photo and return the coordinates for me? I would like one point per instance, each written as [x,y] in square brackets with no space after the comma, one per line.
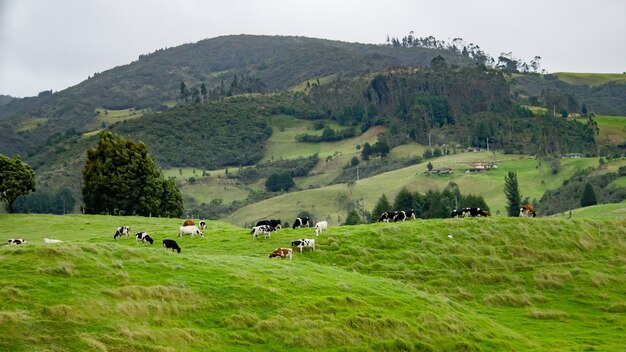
[320,227]
[189,230]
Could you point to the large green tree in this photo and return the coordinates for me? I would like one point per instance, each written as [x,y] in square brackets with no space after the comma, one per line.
[588,197]
[512,193]
[16,179]
[121,177]
[381,206]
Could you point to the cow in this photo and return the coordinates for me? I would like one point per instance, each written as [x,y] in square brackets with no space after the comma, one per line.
[456,213]
[202,225]
[171,244]
[304,243]
[282,253]
[387,216]
[121,231]
[143,237]
[265,230]
[188,222]
[321,226]
[476,212]
[527,210]
[189,230]
[404,215]
[299,222]
[50,240]
[272,222]
[15,241]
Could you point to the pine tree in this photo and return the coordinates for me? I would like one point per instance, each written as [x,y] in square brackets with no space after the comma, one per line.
[513,196]
[588,197]
[404,200]
[353,218]
[381,206]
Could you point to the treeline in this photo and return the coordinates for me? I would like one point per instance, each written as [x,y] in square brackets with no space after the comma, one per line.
[570,194]
[433,204]
[328,135]
[46,202]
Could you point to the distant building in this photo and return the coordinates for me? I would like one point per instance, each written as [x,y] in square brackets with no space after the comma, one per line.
[480,167]
[441,171]
[571,155]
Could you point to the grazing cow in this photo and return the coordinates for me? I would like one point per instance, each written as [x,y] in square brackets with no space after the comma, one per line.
[272,222]
[404,215]
[123,230]
[304,243]
[527,210]
[50,240]
[143,237]
[171,244]
[387,216]
[202,225]
[188,222]
[15,241]
[189,230]
[265,230]
[456,213]
[320,227]
[476,212]
[282,253]
[299,222]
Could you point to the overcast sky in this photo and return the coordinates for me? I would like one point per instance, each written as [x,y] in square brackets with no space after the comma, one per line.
[55,44]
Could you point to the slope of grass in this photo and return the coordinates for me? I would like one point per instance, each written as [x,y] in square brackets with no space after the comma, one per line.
[612,128]
[534,178]
[590,79]
[609,211]
[443,285]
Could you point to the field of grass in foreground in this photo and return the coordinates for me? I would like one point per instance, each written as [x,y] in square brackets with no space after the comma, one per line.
[490,284]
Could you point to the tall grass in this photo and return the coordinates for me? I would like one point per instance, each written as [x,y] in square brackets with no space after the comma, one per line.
[496,284]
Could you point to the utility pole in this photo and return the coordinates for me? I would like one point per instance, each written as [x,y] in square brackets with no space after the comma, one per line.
[487,144]
[357,172]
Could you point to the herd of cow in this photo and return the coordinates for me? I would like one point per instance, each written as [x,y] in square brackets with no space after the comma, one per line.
[266,227]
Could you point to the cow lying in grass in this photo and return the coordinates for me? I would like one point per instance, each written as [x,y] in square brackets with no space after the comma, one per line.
[50,240]
[15,241]
[282,253]
[171,244]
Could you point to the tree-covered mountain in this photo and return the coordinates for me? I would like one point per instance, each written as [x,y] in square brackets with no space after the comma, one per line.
[5,99]
[153,79]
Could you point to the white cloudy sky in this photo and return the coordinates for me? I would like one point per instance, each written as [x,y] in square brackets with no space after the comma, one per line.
[54,44]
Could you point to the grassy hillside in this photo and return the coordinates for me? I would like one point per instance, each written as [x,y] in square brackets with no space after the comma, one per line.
[590,79]
[443,285]
[534,177]
[612,128]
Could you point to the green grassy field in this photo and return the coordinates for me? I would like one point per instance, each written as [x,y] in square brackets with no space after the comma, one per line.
[534,177]
[612,128]
[497,284]
[31,123]
[590,79]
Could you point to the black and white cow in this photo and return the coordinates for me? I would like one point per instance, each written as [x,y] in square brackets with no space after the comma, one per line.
[121,231]
[15,241]
[304,243]
[171,244]
[265,230]
[272,222]
[456,213]
[202,225]
[476,212]
[299,222]
[404,215]
[387,216]
[143,237]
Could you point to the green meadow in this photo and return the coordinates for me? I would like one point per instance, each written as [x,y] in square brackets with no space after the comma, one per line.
[590,79]
[612,128]
[482,284]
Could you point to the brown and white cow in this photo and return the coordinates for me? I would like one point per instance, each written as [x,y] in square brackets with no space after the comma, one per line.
[527,210]
[282,253]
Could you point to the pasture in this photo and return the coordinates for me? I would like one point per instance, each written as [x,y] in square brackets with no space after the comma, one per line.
[612,128]
[590,79]
[502,284]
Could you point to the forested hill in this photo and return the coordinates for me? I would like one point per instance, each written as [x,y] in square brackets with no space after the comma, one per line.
[152,80]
